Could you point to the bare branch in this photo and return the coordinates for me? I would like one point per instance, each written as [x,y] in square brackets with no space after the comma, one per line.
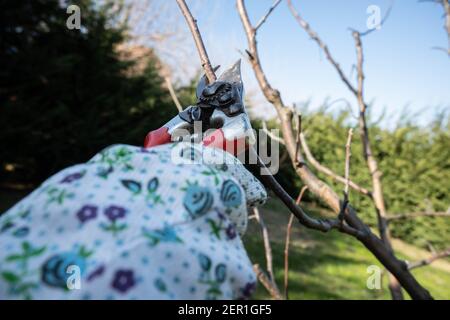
[429,260]
[262,277]
[446,6]
[314,36]
[347,163]
[324,225]
[264,18]
[192,23]
[321,168]
[383,20]
[355,226]
[297,140]
[173,95]
[286,247]
[372,165]
[271,135]
[346,175]
[267,247]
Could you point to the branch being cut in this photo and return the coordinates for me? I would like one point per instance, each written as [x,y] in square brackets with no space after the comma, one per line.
[318,187]
[192,23]
[429,260]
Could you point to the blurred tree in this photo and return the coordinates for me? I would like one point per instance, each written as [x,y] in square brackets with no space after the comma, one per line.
[66,94]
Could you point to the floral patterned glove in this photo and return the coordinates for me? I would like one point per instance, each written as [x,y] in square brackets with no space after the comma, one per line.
[133,223]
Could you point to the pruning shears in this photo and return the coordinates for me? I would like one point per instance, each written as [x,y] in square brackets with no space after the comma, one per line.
[218,119]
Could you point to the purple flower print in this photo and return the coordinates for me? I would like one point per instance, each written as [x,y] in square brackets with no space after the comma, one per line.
[115,212]
[123,280]
[87,212]
[96,273]
[230,232]
[73,177]
[248,290]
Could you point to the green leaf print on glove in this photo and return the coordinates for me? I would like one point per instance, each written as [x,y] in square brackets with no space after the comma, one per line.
[167,234]
[213,280]
[58,195]
[152,197]
[18,280]
[133,186]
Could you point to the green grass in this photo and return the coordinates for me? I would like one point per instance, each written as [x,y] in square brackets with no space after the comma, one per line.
[321,266]
[327,266]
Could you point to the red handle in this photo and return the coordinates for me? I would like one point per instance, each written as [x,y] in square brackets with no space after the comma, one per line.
[217,139]
[157,137]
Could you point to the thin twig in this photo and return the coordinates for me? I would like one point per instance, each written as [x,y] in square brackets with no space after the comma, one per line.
[321,168]
[264,18]
[324,225]
[172,93]
[429,260]
[446,5]
[262,277]
[267,246]
[314,36]
[286,247]
[271,135]
[346,174]
[348,155]
[383,20]
[297,140]
[192,23]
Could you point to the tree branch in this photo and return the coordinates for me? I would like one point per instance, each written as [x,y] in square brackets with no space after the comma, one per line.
[429,260]
[286,247]
[318,187]
[321,168]
[314,36]
[267,247]
[264,18]
[262,277]
[372,165]
[271,135]
[192,23]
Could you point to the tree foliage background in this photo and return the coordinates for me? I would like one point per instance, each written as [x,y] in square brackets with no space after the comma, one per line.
[414,160]
[66,94]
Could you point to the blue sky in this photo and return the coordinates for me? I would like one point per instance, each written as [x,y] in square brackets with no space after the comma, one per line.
[402,70]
